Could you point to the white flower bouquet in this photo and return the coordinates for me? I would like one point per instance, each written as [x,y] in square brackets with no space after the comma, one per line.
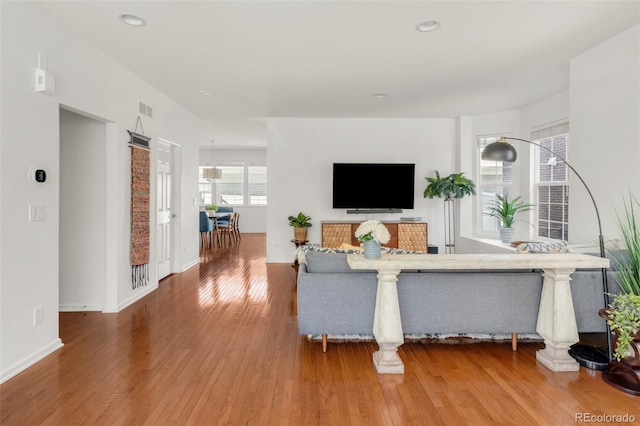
[373,230]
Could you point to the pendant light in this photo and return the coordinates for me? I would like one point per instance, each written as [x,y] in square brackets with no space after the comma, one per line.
[212,172]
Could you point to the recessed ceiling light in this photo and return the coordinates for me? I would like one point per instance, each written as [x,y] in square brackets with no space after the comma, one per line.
[380,95]
[133,20]
[427,26]
[206,92]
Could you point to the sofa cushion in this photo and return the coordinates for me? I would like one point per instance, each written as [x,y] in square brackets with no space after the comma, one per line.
[318,262]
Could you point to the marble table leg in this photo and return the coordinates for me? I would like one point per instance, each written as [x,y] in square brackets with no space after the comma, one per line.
[557,321]
[387,324]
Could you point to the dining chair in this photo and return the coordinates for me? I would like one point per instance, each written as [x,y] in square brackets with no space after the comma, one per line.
[236,224]
[215,233]
[224,220]
[206,227]
[227,230]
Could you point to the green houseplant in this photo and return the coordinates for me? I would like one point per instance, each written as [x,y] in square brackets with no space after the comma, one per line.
[211,207]
[623,315]
[506,211]
[456,185]
[300,224]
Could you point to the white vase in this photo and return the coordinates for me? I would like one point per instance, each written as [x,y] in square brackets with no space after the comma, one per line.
[371,249]
[506,234]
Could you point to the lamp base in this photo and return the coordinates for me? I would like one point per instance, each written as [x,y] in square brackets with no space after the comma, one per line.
[590,357]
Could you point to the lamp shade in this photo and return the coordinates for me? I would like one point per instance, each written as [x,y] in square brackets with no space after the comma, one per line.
[212,173]
[500,151]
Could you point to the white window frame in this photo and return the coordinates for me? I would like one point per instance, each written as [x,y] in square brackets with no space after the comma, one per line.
[253,187]
[551,134]
[210,189]
[487,226]
[204,187]
[227,167]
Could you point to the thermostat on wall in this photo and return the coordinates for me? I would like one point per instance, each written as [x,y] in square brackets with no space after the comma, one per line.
[37,175]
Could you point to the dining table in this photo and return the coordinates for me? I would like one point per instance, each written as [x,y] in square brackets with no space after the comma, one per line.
[219,215]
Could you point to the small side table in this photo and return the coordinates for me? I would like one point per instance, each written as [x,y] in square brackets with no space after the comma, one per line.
[295,264]
[299,243]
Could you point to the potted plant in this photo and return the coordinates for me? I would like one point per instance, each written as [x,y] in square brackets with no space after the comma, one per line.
[456,185]
[300,224]
[506,211]
[372,233]
[211,208]
[623,317]
[623,314]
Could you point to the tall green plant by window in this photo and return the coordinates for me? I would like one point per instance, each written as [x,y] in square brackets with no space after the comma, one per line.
[628,264]
[456,185]
[624,312]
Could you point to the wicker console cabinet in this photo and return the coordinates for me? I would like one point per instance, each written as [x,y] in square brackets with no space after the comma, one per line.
[404,235]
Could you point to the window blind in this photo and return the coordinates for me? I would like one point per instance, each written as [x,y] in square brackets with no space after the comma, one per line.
[549,132]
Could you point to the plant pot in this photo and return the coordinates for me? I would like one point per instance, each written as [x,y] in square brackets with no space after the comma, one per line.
[506,234]
[300,234]
[371,249]
[633,360]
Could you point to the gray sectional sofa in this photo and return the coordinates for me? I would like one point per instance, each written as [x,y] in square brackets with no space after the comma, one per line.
[333,299]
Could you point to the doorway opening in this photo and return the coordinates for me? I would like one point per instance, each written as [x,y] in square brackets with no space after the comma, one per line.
[82,216]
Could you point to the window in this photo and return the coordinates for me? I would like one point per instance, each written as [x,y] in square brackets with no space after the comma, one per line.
[204,187]
[231,187]
[257,184]
[552,182]
[241,184]
[494,178]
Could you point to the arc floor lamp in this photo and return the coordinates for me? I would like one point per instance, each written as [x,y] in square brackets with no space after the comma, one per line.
[590,357]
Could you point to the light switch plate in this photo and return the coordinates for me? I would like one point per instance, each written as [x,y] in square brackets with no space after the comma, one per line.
[36,212]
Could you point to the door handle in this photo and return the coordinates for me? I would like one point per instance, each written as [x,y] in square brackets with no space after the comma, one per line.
[174,215]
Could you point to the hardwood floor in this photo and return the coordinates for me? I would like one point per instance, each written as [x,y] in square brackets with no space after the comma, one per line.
[218,344]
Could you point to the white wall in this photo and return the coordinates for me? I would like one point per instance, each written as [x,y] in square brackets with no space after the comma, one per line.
[252,218]
[505,123]
[603,108]
[82,213]
[605,131]
[300,157]
[91,82]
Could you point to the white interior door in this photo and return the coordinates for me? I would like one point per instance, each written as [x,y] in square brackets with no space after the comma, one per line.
[165,204]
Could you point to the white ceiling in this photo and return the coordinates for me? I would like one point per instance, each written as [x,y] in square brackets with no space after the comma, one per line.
[328,58]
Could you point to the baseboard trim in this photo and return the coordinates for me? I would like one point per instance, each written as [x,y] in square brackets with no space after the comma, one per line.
[130,300]
[80,308]
[191,264]
[30,360]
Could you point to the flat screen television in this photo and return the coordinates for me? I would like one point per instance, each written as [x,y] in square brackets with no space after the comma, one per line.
[373,186]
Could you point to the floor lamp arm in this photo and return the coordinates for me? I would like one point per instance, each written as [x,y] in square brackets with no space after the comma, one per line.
[605,283]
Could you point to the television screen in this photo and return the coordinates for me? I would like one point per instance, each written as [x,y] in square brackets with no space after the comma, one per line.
[373,185]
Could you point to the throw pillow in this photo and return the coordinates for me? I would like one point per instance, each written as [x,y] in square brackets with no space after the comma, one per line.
[559,247]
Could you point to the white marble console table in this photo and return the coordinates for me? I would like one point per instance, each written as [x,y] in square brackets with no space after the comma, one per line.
[556,316]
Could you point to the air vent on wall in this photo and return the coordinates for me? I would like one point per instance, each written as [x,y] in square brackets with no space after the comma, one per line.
[145,109]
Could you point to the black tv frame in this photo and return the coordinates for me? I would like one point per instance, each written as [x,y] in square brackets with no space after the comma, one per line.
[350,181]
